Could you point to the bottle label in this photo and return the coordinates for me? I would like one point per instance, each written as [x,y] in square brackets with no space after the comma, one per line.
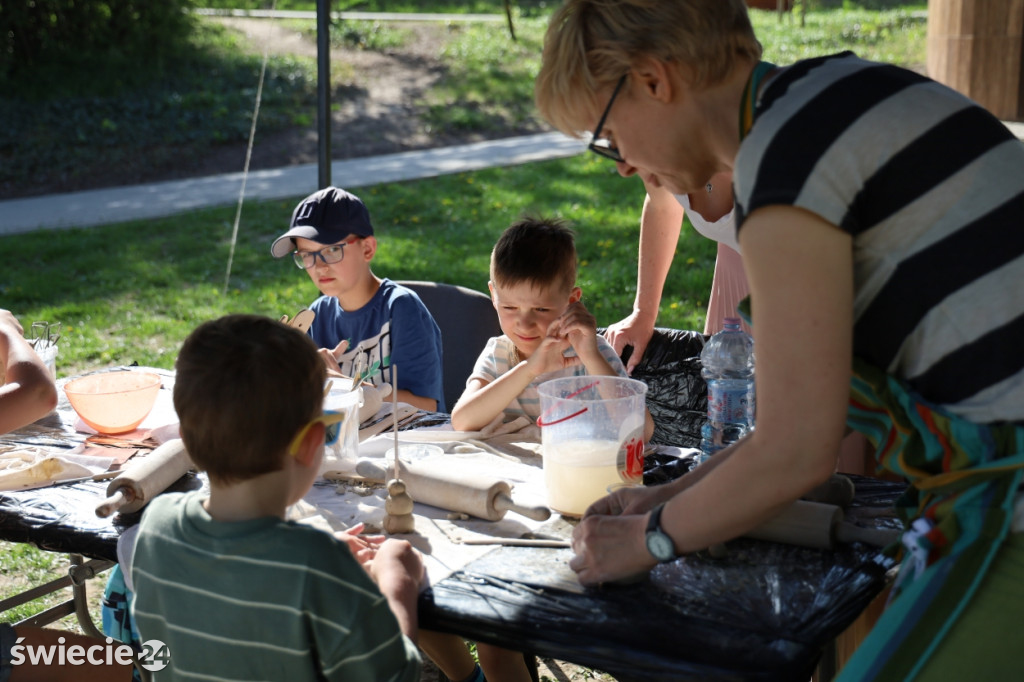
[731,400]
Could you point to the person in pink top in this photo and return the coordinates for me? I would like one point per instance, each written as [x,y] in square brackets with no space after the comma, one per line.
[711,214]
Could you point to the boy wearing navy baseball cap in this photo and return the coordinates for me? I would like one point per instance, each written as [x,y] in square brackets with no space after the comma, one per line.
[360,314]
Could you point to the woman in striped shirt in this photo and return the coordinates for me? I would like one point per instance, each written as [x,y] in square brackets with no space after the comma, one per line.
[879,214]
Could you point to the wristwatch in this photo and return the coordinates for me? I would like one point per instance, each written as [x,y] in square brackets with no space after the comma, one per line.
[659,544]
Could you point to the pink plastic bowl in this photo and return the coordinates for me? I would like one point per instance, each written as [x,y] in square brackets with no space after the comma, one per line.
[113,402]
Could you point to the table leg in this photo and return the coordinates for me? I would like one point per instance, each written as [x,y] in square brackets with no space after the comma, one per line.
[80,572]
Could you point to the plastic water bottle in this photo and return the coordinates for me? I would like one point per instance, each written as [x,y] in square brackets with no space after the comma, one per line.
[728,369]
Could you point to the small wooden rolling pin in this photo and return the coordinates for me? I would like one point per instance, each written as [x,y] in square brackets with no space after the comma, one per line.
[478,495]
[145,479]
[838,490]
[821,526]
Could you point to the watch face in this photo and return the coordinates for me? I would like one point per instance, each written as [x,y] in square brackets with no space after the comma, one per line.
[660,546]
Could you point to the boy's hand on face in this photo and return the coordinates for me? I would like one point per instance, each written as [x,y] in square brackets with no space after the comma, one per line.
[549,356]
[578,327]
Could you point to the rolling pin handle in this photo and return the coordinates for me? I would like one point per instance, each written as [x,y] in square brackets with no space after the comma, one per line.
[372,470]
[120,498]
[847,532]
[504,503]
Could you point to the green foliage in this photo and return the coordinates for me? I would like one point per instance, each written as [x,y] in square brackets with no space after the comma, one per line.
[489,82]
[109,121]
[112,109]
[60,34]
[23,566]
[898,36]
[367,35]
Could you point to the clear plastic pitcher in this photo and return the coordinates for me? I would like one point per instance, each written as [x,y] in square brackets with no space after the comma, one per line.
[343,454]
[592,437]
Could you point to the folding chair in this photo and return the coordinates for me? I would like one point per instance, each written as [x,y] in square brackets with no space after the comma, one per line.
[467,320]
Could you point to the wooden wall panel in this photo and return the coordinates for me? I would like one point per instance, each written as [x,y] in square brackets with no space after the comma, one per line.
[977,47]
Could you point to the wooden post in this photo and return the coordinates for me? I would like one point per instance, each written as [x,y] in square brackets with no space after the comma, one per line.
[976,48]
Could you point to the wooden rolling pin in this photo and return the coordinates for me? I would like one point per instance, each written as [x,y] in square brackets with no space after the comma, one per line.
[478,495]
[838,490]
[821,526]
[146,478]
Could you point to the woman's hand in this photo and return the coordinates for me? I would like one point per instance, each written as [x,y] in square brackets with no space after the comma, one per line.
[610,541]
[630,500]
[610,548]
[630,331]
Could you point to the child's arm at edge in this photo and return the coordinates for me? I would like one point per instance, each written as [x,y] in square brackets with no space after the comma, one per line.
[482,401]
[27,391]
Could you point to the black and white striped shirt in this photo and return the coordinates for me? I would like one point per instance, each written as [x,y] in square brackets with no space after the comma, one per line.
[931,187]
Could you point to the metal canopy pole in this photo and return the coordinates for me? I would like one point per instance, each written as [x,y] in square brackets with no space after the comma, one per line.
[323,81]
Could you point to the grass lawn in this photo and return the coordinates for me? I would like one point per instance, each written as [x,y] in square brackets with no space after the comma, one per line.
[131,292]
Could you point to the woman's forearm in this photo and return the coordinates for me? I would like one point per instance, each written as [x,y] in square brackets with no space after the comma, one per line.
[660,224]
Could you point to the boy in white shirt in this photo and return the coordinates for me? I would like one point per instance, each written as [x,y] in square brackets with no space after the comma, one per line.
[548,333]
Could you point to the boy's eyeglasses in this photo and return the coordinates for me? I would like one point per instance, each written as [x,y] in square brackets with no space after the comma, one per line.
[331,420]
[329,254]
[604,147]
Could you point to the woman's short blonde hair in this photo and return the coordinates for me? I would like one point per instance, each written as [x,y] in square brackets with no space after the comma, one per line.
[592,43]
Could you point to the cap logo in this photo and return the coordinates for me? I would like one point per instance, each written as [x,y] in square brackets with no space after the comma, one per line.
[306,210]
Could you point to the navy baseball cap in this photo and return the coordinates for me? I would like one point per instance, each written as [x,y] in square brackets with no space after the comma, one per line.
[326,216]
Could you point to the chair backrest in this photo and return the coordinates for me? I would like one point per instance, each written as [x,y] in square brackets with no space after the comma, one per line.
[467,320]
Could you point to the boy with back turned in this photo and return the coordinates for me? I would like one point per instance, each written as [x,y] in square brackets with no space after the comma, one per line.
[230,587]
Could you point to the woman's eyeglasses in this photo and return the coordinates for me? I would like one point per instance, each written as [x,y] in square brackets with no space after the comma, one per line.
[604,147]
[329,254]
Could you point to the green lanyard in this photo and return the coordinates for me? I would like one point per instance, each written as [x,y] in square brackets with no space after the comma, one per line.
[750,96]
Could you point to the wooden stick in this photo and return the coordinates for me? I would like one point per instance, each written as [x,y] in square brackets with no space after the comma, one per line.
[394,413]
[398,506]
[515,542]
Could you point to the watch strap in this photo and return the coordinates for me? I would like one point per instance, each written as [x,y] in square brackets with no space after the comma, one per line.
[655,534]
[654,520]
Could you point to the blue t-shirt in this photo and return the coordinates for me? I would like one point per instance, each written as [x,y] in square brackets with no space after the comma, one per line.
[394,328]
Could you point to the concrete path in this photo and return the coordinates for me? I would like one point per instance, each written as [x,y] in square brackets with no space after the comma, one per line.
[104,206]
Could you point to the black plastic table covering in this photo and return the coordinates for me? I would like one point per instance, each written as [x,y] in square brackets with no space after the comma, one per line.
[763,612]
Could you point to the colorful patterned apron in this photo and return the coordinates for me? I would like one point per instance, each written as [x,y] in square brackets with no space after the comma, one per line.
[957,511]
